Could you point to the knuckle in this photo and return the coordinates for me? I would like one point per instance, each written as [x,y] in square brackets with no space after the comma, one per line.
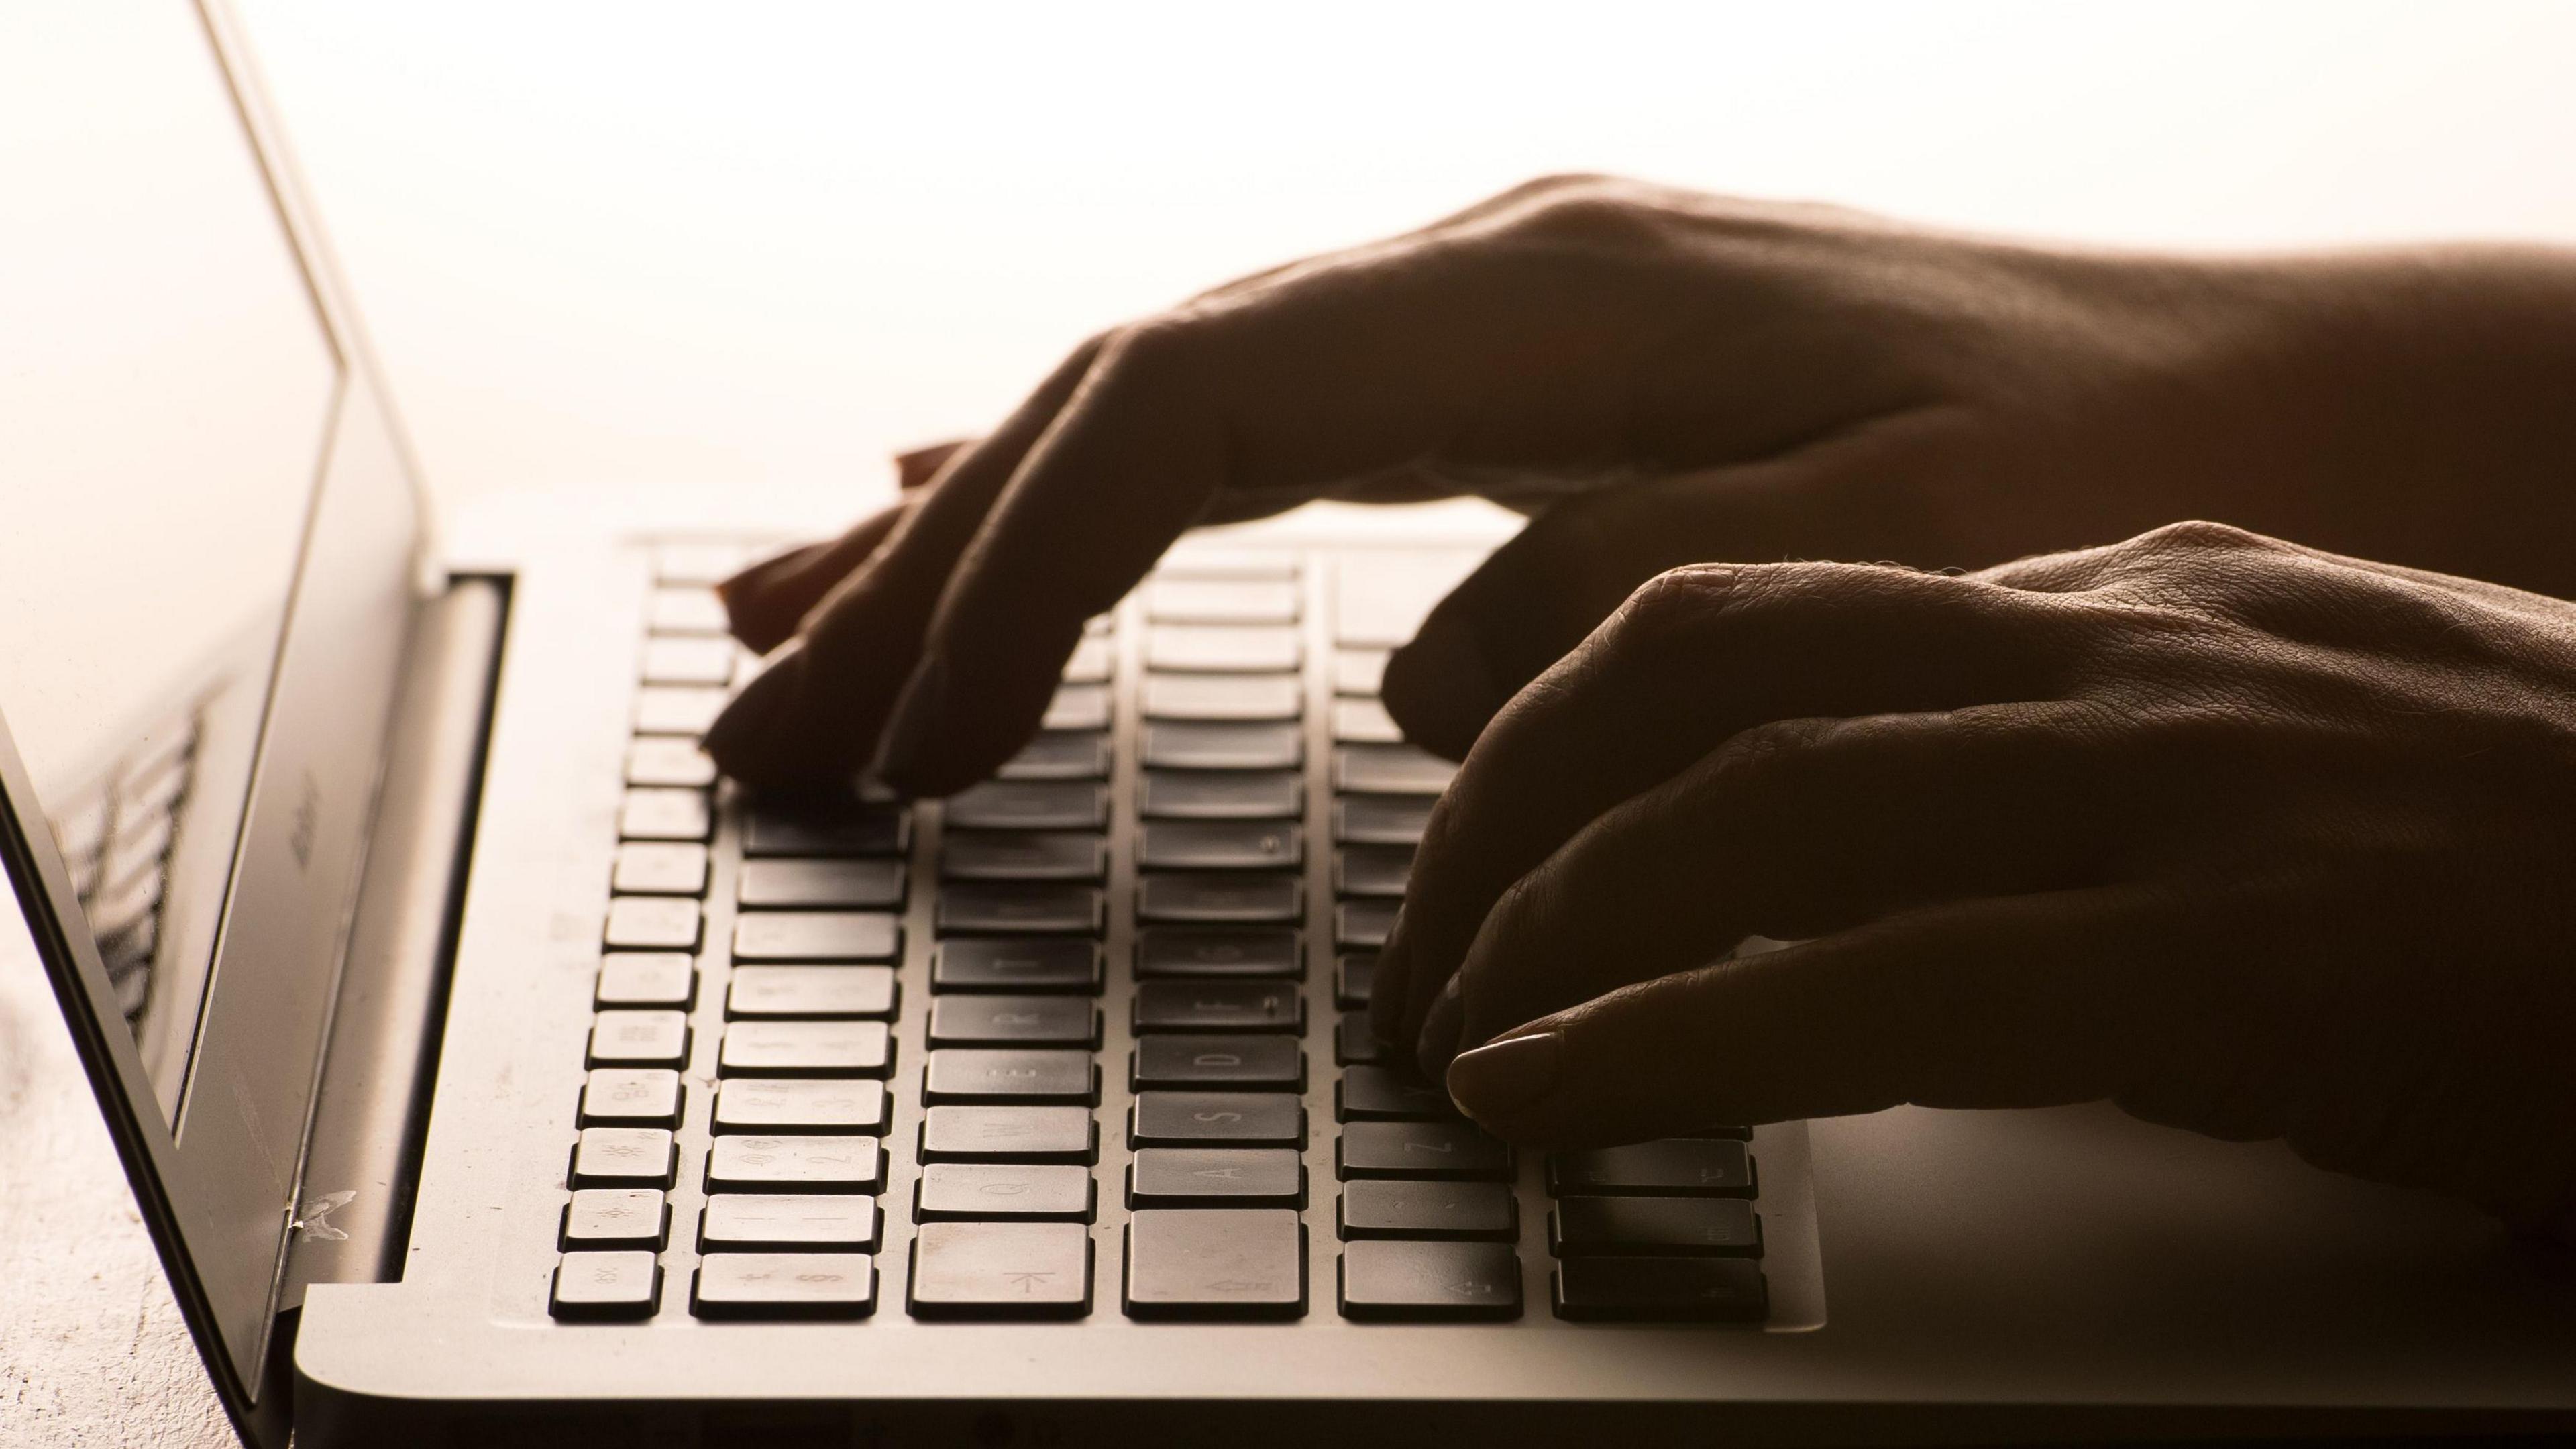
[2200,535]
[1591,213]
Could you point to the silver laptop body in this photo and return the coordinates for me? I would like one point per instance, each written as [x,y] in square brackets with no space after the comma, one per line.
[458,1116]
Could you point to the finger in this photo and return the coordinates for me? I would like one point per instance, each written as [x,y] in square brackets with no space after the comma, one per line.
[1790,830]
[813,716]
[765,602]
[1693,658]
[2025,1001]
[1344,372]
[1541,592]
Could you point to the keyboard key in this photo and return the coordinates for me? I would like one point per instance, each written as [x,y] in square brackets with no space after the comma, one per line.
[806,1049]
[810,991]
[1226,1263]
[631,1097]
[846,884]
[1060,755]
[1009,1134]
[816,936]
[1014,1021]
[1001,1270]
[1221,899]
[1207,561]
[1645,1227]
[1016,908]
[688,661]
[1220,601]
[1372,870]
[1672,1167]
[764,1105]
[845,830]
[1238,1062]
[1223,746]
[1223,649]
[670,761]
[1380,820]
[1365,721]
[646,978]
[1220,845]
[680,609]
[1077,707]
[791,1164]
[1353,1042]
[652,922]
[616,1217]
[1024,855]
[1401,1280]
[607,1285]
[1016,966]
[1217,1119]
[1218,1006]
[660,868]
[1354,974]
[785,1285]
[639,1039]
[1185,1177]
[1025,1192]
[1224,696]
[1358,671]
[1661,1290]
[1390,770]
[1184,795]
[1390,1094]
[624,1157]
[1030,805]
[650,813]
[1170,951]
[677,709]
[1091,661]
[750,1222]
[1386,1208]
[1446,1151]
[1039,1074]
[1363,923]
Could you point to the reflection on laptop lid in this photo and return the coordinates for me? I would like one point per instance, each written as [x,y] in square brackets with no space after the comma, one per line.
[203,580]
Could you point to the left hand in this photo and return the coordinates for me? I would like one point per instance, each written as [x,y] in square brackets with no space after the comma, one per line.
[2248,838]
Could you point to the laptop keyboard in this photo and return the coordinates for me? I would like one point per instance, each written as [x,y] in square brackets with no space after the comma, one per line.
[1146,948]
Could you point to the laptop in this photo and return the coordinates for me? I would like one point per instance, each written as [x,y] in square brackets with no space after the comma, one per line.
[488,1071]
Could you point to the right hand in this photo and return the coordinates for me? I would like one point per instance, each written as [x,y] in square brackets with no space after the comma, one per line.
[1662,378]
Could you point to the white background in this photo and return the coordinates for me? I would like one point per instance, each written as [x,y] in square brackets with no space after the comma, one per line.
[659,246]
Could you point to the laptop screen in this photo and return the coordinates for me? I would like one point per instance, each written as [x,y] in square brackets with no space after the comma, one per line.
[163,414]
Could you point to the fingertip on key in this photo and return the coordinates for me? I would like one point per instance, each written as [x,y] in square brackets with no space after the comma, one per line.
[1440,687]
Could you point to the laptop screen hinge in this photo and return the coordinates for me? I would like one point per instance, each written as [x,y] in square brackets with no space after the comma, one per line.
[353,1214]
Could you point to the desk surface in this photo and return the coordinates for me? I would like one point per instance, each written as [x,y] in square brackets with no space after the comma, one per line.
[618,249]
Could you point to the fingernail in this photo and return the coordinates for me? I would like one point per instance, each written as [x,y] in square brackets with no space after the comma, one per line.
[1440,1029]
[1503,1077]
[917,715]
[1441,685]
[1386,984]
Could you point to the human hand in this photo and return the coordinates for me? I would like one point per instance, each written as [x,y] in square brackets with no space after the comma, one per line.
[1664,377]
[2248,838]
